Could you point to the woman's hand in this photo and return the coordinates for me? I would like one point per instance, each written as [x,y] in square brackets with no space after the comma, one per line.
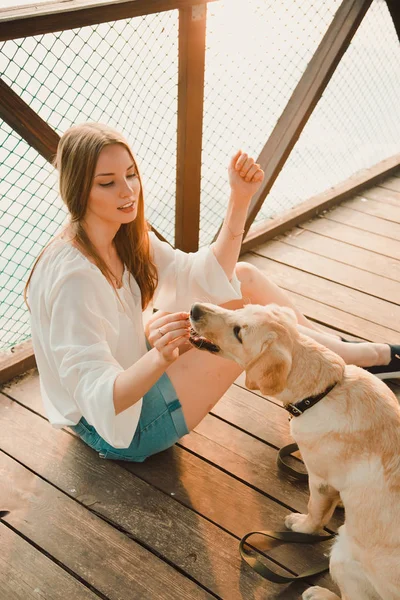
[245,175]
[168,333]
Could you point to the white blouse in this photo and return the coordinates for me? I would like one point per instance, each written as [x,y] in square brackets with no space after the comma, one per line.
[83,337]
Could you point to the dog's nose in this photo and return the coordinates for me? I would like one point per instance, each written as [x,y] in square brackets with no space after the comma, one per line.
[196,312]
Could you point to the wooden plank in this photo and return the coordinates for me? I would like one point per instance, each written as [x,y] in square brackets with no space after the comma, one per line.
[364,222]
[260,411]
[306,95]
[376,286]
[109,561]
[201,550]
[262,476]
[342,321]
[327,292]
[27,574]
[264,418]
[19,361]
[192,44]
[248,459]
[245,410]
[382,194]
[318,204]
[392,183]
[208,491]
[236,507]
[26,390]
[61,15]
[20,117]
[343,253]
[376,209]
[356,237]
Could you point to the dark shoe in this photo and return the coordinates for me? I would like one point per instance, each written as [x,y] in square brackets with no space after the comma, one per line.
[391,370]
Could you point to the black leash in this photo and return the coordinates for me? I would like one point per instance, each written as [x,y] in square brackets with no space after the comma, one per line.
[285,537]
[283,466]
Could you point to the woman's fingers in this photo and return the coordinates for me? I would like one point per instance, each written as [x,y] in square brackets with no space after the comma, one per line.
[234,159]
[167,321]
[166,338]
[241,161]
[168,332]
[252,172]
[246,166]
[163,326]
[170,350]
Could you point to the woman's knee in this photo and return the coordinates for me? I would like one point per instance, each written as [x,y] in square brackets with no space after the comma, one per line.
[246,273]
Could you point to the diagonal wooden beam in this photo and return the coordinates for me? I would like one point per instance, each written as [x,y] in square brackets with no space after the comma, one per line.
[394,9]
[306,95]
[60,15]
[20,117]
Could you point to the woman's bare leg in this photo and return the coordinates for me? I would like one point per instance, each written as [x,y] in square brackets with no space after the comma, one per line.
[257,289]
[201,379]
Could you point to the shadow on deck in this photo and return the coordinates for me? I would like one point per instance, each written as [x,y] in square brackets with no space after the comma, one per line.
[169,528]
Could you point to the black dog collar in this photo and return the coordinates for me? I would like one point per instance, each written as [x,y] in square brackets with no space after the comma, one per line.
[297,409]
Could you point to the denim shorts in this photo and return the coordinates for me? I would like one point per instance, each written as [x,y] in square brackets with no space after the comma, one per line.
[161,424]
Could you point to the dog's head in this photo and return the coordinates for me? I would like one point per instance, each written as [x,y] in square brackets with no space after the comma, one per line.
[259,338]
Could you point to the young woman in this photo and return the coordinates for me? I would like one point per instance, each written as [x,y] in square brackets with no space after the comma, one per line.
[127,392]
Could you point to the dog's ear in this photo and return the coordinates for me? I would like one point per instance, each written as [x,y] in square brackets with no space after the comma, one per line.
[268,372]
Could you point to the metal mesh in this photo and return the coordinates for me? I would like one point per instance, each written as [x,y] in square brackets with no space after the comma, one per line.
[250,77]
[255,57]
[355,124]
[122,73]
[30,214]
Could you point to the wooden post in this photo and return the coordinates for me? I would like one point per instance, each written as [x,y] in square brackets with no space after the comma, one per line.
[306,95]
[192,37]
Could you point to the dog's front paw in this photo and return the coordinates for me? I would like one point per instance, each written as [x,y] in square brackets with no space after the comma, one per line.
[319,593]
[300,523]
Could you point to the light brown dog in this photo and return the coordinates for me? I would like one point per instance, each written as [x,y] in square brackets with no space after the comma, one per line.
[349,440]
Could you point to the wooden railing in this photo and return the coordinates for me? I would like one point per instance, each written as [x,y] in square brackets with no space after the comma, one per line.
[59,16]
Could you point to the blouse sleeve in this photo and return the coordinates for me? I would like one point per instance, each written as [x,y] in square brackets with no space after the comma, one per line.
[184,278]
[83,323]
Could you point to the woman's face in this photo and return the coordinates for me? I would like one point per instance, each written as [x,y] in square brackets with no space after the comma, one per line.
[115,189]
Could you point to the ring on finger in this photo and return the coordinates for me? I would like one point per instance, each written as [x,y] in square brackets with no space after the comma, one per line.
[160,331]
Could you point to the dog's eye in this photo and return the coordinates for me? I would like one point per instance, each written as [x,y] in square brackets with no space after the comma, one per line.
[236,331]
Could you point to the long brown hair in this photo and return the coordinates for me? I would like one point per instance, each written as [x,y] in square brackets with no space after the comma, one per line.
[77,154]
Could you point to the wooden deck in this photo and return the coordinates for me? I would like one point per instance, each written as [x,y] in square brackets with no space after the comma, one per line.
[81,527]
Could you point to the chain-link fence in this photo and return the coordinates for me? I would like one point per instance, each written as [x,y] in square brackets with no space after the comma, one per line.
[125,74]
[252,69]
